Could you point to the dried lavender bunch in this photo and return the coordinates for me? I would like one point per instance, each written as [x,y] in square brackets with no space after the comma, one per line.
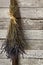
[14,43]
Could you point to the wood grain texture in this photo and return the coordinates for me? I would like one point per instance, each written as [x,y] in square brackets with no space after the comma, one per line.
[27,34]
[29,44]
[30,54]
[23,3]
[5,62]
[31,12]
[30,3]
[23,61]
[36,54]
[25,24]
[32,30]
[4,3]
[4,23]
[4,13]
[26,61]
[24,12]
[34,44]
[31,61]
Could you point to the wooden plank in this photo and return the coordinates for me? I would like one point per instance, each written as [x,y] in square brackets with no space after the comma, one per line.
[30,3]
[4,23]
[34,44]
[24,12]
[25,24]
[31,62]
[3,33]
[33,54]
[5,62]
[23,61]
[4,12]
[30,54]
[23,3]
[4,3]
[28,34]
[33,34]
[30,44]
[31,12]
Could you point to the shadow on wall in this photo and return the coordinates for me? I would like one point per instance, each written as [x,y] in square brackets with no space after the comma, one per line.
[16,13]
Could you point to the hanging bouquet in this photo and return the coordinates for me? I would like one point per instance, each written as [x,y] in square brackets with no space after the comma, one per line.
[14,44]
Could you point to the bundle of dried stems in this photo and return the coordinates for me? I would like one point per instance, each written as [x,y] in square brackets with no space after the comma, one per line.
[14,44]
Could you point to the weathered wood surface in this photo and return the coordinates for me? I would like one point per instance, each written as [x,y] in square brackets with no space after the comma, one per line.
[4,3]
[23,3]
[34,44]
[32,30]
[4,13]
[25,13]
[25,24]
[30,3]
[30,54]
[4,23]
[31,12]
[31,62]
[34,57]
[23,61]
[28,34]
[5,62]
[30,44]
[36,54]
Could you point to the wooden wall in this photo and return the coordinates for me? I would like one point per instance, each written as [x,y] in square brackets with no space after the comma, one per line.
[32,26]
